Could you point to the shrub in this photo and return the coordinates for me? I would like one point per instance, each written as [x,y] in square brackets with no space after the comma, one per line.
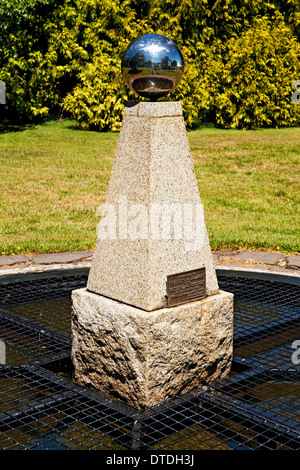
[64,56]
[249,78]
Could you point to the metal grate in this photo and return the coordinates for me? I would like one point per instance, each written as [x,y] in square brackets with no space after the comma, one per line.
[256,407]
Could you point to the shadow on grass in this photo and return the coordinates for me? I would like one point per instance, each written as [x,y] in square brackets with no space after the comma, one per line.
[15,127]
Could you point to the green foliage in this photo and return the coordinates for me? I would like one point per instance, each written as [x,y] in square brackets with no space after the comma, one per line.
[290,10]
[97,101]
[64,56]
[249,78]
[24,64]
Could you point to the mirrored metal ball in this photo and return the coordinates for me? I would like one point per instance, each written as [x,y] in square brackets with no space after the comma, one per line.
[152,66]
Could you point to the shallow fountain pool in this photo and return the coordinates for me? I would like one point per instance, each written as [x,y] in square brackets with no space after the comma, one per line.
[256,407]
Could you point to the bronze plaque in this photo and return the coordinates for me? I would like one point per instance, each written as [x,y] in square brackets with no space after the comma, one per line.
[186,287]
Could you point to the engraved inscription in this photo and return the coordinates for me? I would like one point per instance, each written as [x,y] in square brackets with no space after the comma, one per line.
[186,287]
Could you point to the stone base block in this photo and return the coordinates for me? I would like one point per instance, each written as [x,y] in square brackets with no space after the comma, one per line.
[145,358]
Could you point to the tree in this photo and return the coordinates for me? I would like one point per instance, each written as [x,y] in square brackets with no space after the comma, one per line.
[24,58]
[64,56]
[249,78]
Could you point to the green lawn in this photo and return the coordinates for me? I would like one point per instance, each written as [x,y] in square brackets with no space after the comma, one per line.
[54,177]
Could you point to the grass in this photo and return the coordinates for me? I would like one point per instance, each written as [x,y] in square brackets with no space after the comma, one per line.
[54,177]
[249,184]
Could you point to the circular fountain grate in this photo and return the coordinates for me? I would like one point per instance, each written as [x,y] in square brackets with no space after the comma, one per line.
[256,407]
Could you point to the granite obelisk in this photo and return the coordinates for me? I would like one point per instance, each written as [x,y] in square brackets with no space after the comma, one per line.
[152,322]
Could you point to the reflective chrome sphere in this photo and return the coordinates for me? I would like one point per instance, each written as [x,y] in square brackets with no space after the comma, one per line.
[152,66]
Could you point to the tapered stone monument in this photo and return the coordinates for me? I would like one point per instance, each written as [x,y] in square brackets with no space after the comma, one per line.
[151,323]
